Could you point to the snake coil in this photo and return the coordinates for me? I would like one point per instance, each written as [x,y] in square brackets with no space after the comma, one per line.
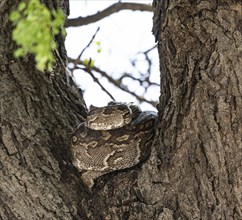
[113,137]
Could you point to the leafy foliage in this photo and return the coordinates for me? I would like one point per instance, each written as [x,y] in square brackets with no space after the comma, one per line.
[99,49]
[35,28]
[88,63]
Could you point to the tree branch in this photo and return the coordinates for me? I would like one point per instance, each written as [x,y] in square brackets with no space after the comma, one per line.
[80,21]
[118,83]
[79,57]
[95,79]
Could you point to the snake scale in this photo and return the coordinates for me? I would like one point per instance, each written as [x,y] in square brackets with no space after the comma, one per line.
[113,137]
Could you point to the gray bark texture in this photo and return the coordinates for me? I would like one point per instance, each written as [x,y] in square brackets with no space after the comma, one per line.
[37,115]
[199,127]
[194,170]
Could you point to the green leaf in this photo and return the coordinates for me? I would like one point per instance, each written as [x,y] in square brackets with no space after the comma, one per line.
[14,16]
[88,63]
[19,52]
[34,32]
[99,49]
[21,6]
[85,62]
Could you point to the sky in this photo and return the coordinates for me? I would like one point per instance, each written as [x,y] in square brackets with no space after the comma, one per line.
[121,36]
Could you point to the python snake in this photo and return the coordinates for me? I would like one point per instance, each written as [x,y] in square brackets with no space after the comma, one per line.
[113,137]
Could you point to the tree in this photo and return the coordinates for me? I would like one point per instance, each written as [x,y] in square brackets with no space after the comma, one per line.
[199,142]
[118,82]
[194,170]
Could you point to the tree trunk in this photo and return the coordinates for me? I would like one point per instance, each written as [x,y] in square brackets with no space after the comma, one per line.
[194,171]
[37,115]
[200,132]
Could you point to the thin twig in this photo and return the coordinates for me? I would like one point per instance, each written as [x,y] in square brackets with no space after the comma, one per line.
[141,81]
[147,51]
[95,79]
[76,61]
[121,86]
[116,7]
[118,83]
[149,60]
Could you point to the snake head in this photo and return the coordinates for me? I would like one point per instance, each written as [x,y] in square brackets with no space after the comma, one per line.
[113,116]
[134,110]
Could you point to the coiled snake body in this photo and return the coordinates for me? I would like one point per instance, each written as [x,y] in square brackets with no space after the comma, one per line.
[114,137]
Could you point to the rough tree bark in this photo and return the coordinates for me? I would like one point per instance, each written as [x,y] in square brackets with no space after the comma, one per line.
[194,171]
[37,115]
[200,131]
